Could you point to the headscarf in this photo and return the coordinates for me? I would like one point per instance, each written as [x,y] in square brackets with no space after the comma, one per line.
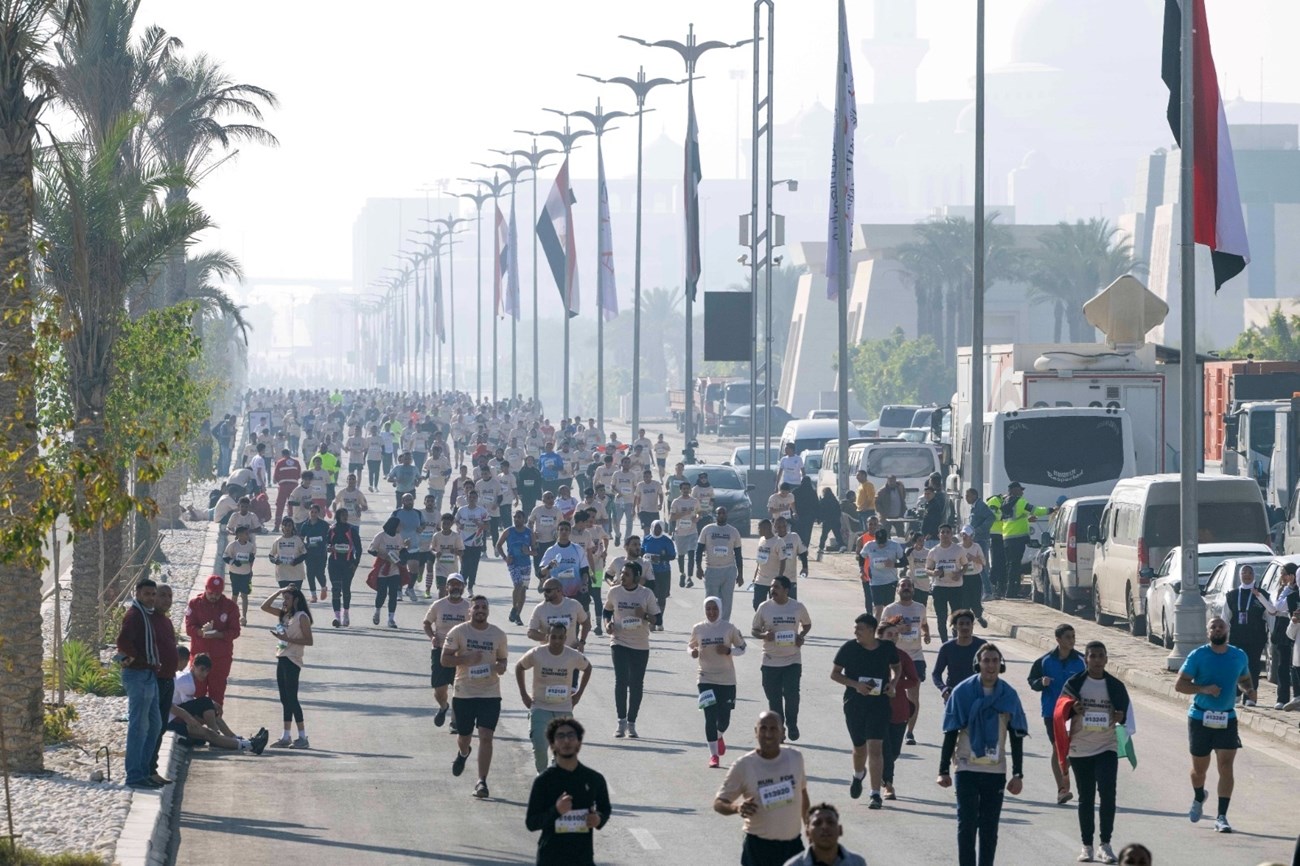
[715,600]
[656,524]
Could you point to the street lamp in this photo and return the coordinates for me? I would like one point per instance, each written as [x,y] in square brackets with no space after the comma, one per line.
[566,139]
[478,198]
[599,121]
[639,86]
[690,52]
[449,223]
[495,188]
[513,171]
[533,157]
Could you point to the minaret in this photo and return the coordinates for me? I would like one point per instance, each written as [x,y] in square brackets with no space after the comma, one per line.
[894,51]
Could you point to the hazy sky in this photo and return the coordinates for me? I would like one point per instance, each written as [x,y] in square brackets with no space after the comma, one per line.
[383,98]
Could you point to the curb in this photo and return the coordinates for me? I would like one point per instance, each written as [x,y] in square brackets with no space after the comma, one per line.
[1155,686]
[146,835]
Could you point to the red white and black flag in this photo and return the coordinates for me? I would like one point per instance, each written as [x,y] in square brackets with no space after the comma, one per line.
[1218,217]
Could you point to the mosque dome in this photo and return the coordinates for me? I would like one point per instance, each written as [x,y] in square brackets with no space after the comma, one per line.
[1079,36]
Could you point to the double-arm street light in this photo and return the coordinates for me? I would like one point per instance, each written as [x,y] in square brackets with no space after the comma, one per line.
[513,171]
[690,52]
[599,120]
[640,87]
[450,222]
[533,158]
[478,197]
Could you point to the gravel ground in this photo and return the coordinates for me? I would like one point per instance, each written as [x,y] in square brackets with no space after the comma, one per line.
[43,804]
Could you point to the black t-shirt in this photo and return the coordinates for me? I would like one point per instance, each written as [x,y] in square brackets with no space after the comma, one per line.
[866,665]
[588,790]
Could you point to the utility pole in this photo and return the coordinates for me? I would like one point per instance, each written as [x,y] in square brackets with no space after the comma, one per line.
[513,172]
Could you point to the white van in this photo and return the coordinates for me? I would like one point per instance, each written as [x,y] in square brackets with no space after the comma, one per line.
[909,462]
[812,435]
[1140,524]
[895,419]
[828,474]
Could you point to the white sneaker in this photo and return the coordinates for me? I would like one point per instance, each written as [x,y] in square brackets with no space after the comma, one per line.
[631,730]
[622,729]
[1106,855]
[1279,705]
[1085,856]
[1221,825]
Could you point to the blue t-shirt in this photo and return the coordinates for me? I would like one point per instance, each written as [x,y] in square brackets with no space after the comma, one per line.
[569,561]
[550,464]
[1206,667]
[659,545]
[517,542]
[409,522]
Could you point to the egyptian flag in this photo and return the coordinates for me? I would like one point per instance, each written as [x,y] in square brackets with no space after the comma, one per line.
[556,234]
[1218,218]
[500,261]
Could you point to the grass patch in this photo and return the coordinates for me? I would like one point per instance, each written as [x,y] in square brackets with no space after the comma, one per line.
[27,857]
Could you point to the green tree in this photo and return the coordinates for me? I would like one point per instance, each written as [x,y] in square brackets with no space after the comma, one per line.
[1273,341]
[26,29]
[895,369]
[1077,260]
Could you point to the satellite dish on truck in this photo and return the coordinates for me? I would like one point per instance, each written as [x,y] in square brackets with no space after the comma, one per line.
[1125,311]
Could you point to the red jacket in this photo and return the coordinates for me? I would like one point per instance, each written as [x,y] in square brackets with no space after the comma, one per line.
[286,469]
[223,614]
[900,705]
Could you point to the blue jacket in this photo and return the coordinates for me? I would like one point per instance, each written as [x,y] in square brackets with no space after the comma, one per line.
[550,465]
[1050,665]
[659,545]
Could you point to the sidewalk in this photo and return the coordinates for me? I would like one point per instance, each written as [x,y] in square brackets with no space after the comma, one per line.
[1139,663]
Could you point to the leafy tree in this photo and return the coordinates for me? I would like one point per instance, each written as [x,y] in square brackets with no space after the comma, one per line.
[1076,261]
[895,369]
[1274,341]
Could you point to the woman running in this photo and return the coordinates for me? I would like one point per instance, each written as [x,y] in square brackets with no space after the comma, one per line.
[386,547]
[288,554]
[293,631]
[714,642]
[629,612]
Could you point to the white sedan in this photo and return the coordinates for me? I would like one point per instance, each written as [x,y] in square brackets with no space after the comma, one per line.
[1168,581]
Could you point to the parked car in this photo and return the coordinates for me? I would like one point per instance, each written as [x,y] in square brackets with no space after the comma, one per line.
[815,414]
[1063,576]
[731,492]
[737,423]
[914,434]
[894,419]
[1270,582]
[812,462]
[1167,581]
[740,457]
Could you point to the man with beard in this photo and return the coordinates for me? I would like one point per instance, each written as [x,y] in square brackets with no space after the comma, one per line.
[568,801]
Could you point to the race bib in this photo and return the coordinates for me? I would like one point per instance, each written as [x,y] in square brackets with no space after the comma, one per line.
[1218,720]
[342,548]
[873,684]
[426,535]
[1096,720]
[447,557]
[241,559]
[762,555]
[547,520]
[480,672]
[776,794]
[573,822]
[784,513]
[629,622]
[625,489]
[685,524]
[785,638]
[720,550]
[707,698]
[563,572]
[315,541]
[556,694]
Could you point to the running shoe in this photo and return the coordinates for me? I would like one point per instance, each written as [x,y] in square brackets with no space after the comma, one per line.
[911,739]
[347,619]
[428,594]
[622,729]
[690,584]
[889,792]
[243,621]
[335,623]
[392,623]
[282,743]
[855,788]
[631,731]
[792,732]
[481,790]
[982,621]
[1085,855]
[722,745]
[440,717]
[375,619]
[1106,855]
[458,764]
[258,741]
[1194,813]
[300,743]
[875,802]
[713,762]
[1221,824]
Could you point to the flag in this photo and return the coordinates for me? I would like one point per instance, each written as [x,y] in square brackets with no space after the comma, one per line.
[555,232]
[607,291]
[1215,199]
[439,325]
[511,299]
[1124,745]
[499,265]
[839,235]
[691,188]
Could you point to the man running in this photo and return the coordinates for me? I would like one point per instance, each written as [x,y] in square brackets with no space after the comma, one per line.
[782,623]
[515,547]
[1213,673]
[956,657]
[868,669]
[477,650]
[768,788]
[471,520]
[555,666]
[945,565]
[1048,675]
[682,513]
[913,631]
[555,609]
[648,500]
[544,521]
[568,801]
[718,560]
[444,614]
[769,563]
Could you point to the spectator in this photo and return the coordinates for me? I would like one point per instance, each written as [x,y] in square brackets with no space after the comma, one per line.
[168,663]
[828,512]
[137,651]
[866,499]
[212,622]
[891,500]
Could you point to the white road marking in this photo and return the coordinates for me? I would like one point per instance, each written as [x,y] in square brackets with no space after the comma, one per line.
[644,838]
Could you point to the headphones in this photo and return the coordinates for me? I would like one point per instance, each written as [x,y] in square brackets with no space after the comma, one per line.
[1002,664]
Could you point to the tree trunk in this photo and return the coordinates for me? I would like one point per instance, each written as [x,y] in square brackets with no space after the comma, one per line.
[21,650]
[96,558]
[1058,315]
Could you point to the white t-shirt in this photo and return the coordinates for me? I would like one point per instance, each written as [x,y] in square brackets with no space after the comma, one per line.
[183,689]
[791,468]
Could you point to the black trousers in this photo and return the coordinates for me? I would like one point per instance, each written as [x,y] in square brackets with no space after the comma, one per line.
[316,572]
[997,563]
[1282,673]
[390,588]
[1095,777]
[629,677]
[979,808]
[1013,551]
[893,748]
[286,678]
[781,686]
[717,718]
[341,573]
[946,599]
[469,565]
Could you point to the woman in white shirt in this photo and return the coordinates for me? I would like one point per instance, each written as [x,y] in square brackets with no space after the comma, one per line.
[293,633]
[715,642]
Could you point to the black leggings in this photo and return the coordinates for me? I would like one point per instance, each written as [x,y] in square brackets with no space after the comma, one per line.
[893,748]
[316,572]
[663,587]
[373,467]
[717,718]
[830,529]
[1095,776]
[341,573]
[286,677]
[686,562]
[945,598]
[629,676]
[391,587]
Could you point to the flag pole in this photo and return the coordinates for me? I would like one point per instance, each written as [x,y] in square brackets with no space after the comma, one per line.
[842,250]
[976,478]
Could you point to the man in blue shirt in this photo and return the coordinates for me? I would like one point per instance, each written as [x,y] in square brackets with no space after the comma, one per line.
[410,522]
[1048,675]
[550,465]
[1212,674]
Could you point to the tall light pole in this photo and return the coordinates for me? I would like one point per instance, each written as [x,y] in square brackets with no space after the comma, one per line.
[478,197]
[599,120]
[763,130]
[566,139]
[533,157]
[435,250]
[690,52]
[449,223]
[640,87]
[495,187]
[513,171]
[977,299]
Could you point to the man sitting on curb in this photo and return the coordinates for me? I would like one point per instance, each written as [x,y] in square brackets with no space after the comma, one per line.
[198,718]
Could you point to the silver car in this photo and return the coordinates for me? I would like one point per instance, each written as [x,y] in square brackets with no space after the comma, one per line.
[1066,571]
[1167,582]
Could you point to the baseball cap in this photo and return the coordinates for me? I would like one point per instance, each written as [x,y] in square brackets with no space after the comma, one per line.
[216,583]
[455,576]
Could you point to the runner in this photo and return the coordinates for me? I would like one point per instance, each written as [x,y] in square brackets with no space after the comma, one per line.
[437,472]
[544,521]
[945,565]
[972,581]
[781,503]
[312,532]
[790,469]
[351,498]
[792,547]
[594,539]
[1048,675]
[515,547]
[682,512]
[567,802]
[868,669]
[424,558]
[1092,703]
[477,650]
[1213,673]
[629,610]
[624,483]
[554,609]
[471,520]
[824,834]
[410,525]
[718,560]
[902,707]
[913,630]
[344,541]
[388,547]
[661,451]
[882,557]
[768,787]
[555,666]
[782,623]
[239,556]
[957,656]
[768,563]
[443,615]
[715,642]
[566,562]
[648,500]
[982,714]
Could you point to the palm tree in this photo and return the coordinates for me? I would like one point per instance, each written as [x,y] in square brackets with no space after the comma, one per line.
[661,337]
[106,233]
[1076,261]
[26,28]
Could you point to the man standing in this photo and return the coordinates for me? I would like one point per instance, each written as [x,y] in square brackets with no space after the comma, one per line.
[568,801]
[768,788]
[555,665]
[790,468]
[865,499]
[868,669]
[980,521]
[1247,627]
[443,615]
[982,715]
[1213,673]
[1016,514]
[165,641]
[212,622]
[824,833]
[782,623]
[1048,675]
[477,650]
[718,561]
[137,651]
[285,475]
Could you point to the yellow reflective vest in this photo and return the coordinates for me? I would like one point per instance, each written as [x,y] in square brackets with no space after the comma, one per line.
[1016,524]
[995,504]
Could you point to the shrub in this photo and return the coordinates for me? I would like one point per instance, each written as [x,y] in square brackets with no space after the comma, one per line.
[84,672]
[58,723]
[27,857]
